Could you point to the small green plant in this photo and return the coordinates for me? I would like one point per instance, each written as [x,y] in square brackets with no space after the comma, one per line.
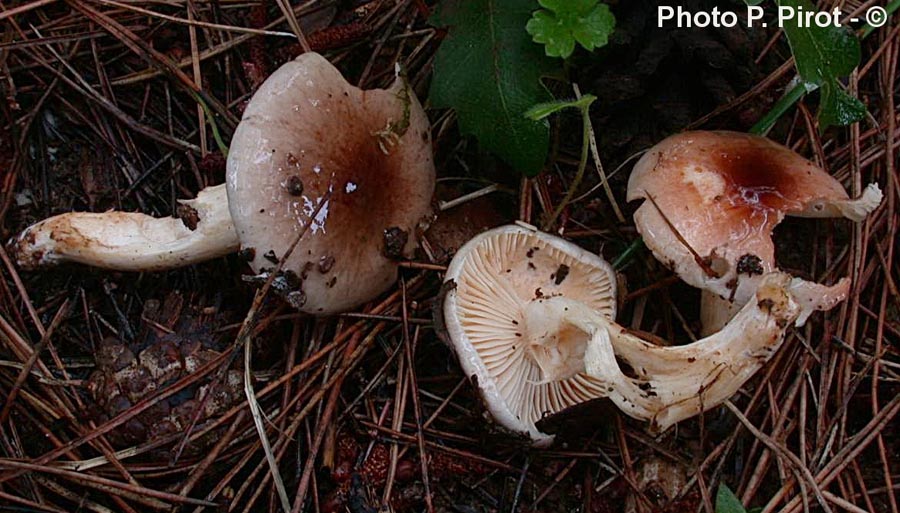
[727,502]
[822,56]
[562,23]
[541,112]
[489,70]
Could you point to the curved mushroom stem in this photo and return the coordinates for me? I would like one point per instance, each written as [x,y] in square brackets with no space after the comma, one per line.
[128,241]
[556,331]
[669,384]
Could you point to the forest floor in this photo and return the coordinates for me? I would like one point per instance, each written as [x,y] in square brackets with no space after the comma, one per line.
[101,111]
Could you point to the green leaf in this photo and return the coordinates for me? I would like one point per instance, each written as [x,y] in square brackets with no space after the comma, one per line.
[823,55]
[545,28]
[543,110]
[727,502]
[836,107]
[820,53]
[595,28]
[560,24]
[489,71]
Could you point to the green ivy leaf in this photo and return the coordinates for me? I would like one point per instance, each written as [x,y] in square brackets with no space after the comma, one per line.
[727,501]
[823,55]
[836,107]
[562,23]
[489,71]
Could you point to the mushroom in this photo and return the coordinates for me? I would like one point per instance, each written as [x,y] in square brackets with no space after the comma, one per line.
[306,134]
[494,309]
[308,142]
[673,383]
[712,201]
[531,319]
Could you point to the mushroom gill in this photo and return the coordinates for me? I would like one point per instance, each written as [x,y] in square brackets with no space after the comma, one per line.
[497,275]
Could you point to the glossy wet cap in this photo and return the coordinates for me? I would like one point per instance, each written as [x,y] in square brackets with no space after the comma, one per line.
[308,137]
[494,277]
[723,193]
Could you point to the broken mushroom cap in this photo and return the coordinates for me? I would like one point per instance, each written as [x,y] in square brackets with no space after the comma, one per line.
[498,330]
[131,241]
[712,200]
[307,137]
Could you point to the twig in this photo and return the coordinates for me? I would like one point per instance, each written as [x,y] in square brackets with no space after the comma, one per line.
[595,153]
[484,191]
[774,446]
[195,23]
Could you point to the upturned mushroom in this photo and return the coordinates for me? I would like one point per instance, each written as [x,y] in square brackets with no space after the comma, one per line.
[493,309]
[309,142]
[531,318]
[712,200]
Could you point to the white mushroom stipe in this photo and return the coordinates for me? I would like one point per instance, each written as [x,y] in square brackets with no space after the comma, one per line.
[129,241]
[673,383]
[498,276]
[814,297]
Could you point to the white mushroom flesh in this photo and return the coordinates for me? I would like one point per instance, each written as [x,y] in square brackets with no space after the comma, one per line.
[668,384]
[129,241]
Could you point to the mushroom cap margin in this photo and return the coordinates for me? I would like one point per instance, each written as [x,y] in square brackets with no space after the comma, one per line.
[724,192]
[473,363]
[308,136]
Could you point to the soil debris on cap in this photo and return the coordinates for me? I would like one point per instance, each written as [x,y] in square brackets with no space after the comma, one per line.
[326,263]
[294,185]
[188,215]
[560,275]
[247,254]
[395,241]
[270,256]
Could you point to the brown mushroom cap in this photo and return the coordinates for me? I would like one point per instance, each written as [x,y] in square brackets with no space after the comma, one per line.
[723,193]
[308,134]
[525,363]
